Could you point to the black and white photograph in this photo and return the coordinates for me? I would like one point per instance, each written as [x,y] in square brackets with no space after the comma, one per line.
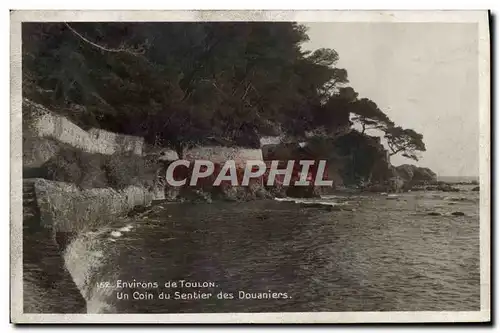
[250,166]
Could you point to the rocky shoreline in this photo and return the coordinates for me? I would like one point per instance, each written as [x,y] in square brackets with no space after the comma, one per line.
[64,211]
[77,190]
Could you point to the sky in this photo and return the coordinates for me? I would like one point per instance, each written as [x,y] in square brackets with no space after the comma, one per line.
[424,76]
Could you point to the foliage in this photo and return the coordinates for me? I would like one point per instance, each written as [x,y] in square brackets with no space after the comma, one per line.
[187,83]
[405,141]
[368,114]
[96,170]
[360,153]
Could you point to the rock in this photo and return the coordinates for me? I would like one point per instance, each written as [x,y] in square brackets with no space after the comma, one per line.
[279,195]
[194,195]
[229,193]
[459,199]
[330,208]
[417,188]
[405,172]
[253,191]
[312,205]
[413,176]
[424,175]
[476,189]
[171,193]
[262,217]
[277,191]
[444,187]
[434,214]
[261,193]
[447,188]
[302,192]
[397,184]
[416,175]
[393,185]
[377,188]
[458,214]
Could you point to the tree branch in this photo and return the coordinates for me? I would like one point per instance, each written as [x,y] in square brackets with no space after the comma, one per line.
[137,52]
[246,90]
[394,152]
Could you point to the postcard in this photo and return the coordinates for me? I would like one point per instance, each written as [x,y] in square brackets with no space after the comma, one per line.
[250,166]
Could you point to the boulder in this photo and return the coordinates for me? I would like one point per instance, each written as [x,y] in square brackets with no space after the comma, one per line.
[376,188]
[458,214]
[424,175]
[277,191]
[322,206]
[444,187]
[396,185]
[413,176]
[303,192]
[261,193]
[405,172]
[334,209]
[194,195]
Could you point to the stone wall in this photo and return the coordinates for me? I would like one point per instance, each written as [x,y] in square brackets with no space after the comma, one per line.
[218,154]
[61,212]
[118,142]
[270,140]
[65,208]
[47,124]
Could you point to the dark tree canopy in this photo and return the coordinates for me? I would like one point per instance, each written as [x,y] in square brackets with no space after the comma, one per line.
[179,83]
[405,141]
[368,114]
[186,83]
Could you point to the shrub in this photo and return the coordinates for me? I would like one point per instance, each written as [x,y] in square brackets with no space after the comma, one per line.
[88,170]
[76,167]
[123,170]
[63,167]
[92,173]
[37,151]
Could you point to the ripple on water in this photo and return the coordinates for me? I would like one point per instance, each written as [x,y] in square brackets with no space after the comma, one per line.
[382,257]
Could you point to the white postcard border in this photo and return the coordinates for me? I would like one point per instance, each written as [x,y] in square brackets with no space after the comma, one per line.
[479,17]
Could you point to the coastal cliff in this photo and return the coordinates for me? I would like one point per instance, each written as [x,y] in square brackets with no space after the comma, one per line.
[354,160]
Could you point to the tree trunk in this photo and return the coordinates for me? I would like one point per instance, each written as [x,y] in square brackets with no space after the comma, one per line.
[179,149]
